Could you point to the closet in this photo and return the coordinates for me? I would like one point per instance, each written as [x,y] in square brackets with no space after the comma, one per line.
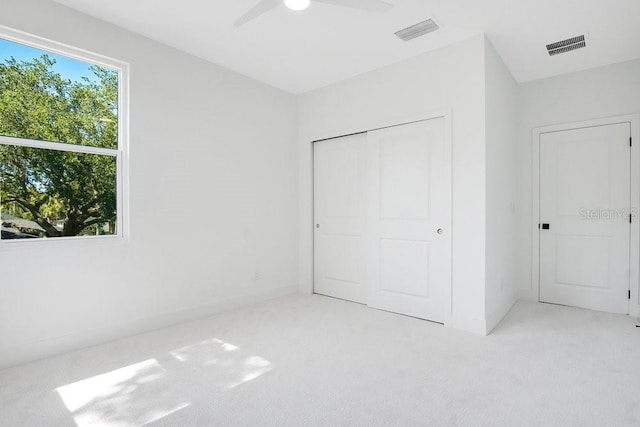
[382,219]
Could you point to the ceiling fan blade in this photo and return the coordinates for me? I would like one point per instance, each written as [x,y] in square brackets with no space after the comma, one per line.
[368,5]
[260,8]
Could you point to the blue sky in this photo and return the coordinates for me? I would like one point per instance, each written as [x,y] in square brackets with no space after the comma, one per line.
[68,68]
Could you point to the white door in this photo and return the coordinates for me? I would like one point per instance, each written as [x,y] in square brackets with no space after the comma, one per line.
[584,217]
[339,214]
[409,220]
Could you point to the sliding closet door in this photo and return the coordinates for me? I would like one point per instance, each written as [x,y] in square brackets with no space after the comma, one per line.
[409,220]
[339,213]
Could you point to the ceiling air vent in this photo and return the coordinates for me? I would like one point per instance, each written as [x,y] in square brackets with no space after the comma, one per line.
[417,30]
[567,45]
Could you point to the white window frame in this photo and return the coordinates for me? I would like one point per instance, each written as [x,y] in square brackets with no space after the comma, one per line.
[121,153]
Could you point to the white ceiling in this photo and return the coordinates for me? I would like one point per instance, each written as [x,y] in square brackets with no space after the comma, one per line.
[301,51]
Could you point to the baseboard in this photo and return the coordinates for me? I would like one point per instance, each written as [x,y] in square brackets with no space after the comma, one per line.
[28,352]
[527,295]
[496,317]
[468,324]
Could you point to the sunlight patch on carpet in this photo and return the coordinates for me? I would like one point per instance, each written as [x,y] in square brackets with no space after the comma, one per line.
[131,396]
[222,363]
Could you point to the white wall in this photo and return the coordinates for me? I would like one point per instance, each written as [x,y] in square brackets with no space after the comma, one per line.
[597,93]
[502,176]
[234,157]
[450,80]
[213,202]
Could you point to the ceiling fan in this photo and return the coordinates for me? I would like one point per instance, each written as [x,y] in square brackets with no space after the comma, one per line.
[266,5]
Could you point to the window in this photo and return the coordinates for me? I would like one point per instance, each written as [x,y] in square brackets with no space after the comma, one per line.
[62,140]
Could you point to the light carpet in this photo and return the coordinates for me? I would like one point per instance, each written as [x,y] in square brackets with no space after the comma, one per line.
[316,361]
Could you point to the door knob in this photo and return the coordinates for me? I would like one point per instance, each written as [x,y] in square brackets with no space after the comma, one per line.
[440,231]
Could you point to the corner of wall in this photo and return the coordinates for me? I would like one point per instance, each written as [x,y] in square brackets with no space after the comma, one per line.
[501,104]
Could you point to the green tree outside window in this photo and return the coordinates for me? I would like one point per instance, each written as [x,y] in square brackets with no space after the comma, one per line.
[50,192]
